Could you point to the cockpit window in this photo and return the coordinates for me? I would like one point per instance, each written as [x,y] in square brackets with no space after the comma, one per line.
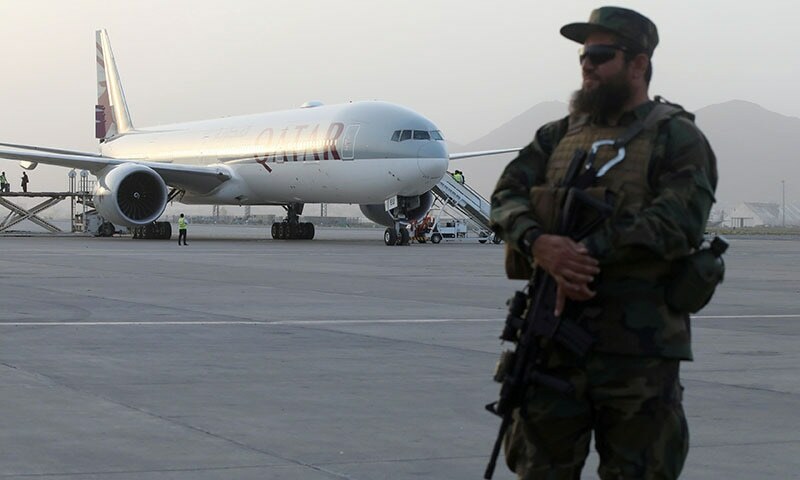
[402,135]
[422,135]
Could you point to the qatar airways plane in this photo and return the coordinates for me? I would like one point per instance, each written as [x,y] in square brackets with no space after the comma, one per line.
[384,157]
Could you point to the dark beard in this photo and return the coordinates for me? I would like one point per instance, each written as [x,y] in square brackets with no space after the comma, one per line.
[604,101]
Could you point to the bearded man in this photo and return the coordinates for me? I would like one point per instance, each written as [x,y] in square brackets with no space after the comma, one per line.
[612,282]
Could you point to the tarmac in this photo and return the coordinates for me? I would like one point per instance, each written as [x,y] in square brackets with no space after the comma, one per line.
[239,357]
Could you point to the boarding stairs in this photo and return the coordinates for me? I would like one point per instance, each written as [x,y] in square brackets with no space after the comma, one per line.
[466,201]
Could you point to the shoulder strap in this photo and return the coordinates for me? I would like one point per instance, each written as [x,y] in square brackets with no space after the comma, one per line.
[660,112]
[576,121]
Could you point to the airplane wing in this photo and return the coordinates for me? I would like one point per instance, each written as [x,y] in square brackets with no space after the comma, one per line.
[458,156]
[194,178]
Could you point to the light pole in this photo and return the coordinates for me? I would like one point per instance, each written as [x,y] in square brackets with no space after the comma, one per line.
[783,202]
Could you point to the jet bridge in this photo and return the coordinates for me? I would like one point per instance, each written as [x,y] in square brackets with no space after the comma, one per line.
[467,201]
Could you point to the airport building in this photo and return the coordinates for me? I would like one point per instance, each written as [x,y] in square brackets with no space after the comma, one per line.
[757,214]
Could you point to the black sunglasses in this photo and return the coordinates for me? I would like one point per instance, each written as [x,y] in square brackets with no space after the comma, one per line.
[599,54]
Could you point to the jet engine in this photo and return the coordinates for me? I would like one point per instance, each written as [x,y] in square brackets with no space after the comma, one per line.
[414,208]
[130,194]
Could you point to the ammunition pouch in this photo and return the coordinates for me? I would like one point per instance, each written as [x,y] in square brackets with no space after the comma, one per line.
[546,202]
[694,279]
[518,266]
[589,212]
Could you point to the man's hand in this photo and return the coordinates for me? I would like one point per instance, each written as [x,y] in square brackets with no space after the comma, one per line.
[570,264]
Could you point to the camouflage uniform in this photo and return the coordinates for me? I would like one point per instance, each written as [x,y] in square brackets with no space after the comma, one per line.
[627,389]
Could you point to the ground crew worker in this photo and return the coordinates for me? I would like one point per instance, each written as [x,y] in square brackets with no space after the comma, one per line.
[182,229]
[3,183]
[24,181]
[458,176]
[627,389]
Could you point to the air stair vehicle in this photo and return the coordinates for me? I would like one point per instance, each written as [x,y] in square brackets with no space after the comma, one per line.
[466,215]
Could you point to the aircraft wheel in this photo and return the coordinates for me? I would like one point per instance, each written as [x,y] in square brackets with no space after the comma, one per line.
[405,237]
[482,240]
[274,231]
[106,229]
[436,238]
[296,231]
[390,236]
[167,231]
[305,231]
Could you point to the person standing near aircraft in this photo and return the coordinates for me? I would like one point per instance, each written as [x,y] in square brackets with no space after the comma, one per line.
[626,389]
[24,181]
[182,229]
[3,182]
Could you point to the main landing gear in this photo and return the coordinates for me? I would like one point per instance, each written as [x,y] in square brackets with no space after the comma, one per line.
[292,228]
[152,231]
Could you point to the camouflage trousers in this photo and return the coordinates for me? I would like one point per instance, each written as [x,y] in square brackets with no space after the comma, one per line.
[633,406]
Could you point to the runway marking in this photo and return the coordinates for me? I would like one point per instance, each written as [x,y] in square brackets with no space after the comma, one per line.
[746,316]
[320,322]
[243,322]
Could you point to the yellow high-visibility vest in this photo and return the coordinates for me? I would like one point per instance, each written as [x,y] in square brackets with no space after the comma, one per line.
[182,223]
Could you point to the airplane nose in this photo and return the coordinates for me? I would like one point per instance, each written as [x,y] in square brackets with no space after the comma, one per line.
[433,168]
[432,161]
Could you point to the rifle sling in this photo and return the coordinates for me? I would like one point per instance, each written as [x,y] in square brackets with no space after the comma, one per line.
[660,112]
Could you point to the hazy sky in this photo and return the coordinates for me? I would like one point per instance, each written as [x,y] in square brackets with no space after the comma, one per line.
[469,66]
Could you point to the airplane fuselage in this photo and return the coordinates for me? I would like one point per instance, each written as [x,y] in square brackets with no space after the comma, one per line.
[347,153]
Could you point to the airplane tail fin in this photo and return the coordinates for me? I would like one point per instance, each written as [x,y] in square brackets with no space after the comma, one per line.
[111,112]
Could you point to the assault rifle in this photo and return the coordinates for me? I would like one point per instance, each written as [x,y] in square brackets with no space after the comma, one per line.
[531,322]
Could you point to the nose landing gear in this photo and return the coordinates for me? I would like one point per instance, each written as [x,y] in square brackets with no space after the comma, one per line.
[399,209]
[397,235]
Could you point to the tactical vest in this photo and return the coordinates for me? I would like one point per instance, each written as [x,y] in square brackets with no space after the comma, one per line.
[627,180]
[626,183]
[629,314]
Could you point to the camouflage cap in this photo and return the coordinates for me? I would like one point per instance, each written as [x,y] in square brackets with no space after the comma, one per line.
[634,29]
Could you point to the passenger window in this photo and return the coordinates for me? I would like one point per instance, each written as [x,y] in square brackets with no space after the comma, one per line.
[396,136]
[421,135]
[406,135]
[437,135]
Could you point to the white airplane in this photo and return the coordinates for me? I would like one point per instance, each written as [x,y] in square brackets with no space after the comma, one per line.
[384,157]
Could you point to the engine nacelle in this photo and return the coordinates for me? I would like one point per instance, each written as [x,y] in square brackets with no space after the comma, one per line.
[415,209]
[130,194]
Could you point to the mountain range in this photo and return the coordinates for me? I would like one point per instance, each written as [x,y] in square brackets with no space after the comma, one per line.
[753,147]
